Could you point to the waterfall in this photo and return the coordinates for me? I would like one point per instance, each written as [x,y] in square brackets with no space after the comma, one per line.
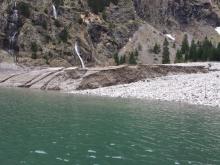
[78,54]
[12,41]
[12,29]
[54,11]
[15,16]
[15,4]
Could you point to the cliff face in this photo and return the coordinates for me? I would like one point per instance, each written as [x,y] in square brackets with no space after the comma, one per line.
[178,12]
[41,37]
[52,40]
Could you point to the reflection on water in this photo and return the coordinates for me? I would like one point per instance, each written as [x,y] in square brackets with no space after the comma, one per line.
[53,129]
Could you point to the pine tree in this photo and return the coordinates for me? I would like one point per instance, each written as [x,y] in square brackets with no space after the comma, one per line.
[132,59]
[207,50]
[193,51]
[185,47]
[116,58]
[217,56]
[166,53]
[179,57]
[216,53]
[122,59]
[136,53]
[199,51]
[156,49]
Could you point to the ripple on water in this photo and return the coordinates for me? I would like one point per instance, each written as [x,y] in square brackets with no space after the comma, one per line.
[91,151]
[92,156]
[65,160]
[149,150]
[177,163]
[116,157]
[39,152]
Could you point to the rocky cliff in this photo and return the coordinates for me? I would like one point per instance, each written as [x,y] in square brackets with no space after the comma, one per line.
[45,31]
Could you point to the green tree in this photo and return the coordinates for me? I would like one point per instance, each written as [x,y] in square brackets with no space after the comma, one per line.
[116,58]
[156,48]
[122,59]
[207,49]
[136,53]
[215,54]
[132,58]
[185,47]
[199,51]
[179,57]
[193,51]
[34,49]
[166,52]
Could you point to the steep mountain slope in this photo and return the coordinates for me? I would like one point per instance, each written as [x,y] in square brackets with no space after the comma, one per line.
[53,38]
[120,26]
[197,17]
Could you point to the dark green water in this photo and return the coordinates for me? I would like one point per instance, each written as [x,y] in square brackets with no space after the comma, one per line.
[38,128]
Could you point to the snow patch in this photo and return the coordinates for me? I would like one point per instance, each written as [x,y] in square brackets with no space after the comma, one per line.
[170,37]
[217,29]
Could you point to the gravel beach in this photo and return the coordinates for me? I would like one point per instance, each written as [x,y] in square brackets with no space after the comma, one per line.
[199,88]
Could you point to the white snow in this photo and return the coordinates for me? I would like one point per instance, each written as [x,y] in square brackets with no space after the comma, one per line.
[200,89]
[217,29]
[170,37]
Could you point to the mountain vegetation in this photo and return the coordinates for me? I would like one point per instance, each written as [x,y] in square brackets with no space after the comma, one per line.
[201,51]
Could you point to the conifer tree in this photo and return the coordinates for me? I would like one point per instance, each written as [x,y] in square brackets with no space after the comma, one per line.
[185,47]
[156,48]
[166,53]
[207,49]
[122,59]
[217,56]
[179,57]
[199,51]
[116,58]
[216,53]
[193,51]
[132,58]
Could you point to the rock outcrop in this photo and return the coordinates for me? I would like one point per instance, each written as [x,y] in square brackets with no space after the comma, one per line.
[45,39]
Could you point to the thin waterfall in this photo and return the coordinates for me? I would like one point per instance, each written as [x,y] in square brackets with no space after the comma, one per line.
[12,29]
[12,41]
[54,11]
[15,4]
[78,54]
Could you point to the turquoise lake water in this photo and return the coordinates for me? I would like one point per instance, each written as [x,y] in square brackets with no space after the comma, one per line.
[40,128]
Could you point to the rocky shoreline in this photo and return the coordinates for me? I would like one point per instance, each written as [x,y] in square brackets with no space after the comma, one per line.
[196,88]
[195,83]
[74,78]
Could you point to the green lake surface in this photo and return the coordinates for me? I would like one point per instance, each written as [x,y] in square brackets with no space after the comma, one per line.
[48,128]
